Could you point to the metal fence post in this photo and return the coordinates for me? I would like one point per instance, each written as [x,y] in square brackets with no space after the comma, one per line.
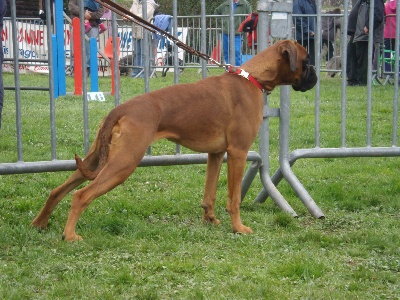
[265,8]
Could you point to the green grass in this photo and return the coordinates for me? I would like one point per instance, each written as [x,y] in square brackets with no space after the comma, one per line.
[145,239]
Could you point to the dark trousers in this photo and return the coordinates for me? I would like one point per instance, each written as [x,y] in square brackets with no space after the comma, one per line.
[351,62]
[309,45]
[357,62]
[362,62]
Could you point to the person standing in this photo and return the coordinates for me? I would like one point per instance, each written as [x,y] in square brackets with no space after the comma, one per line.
[3,10]
[241,7]
[305,25]
[390,31]
[358,29]
[138,34]
[94,20]
[330,25]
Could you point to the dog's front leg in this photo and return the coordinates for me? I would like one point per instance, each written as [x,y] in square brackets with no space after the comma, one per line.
[236,165]
[214,163]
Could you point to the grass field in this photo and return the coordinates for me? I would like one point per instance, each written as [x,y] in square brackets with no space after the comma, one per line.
[145,239]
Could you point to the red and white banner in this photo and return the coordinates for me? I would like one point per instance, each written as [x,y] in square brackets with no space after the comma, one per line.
[32,45]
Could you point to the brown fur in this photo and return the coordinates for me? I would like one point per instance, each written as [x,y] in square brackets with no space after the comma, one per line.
[216,115]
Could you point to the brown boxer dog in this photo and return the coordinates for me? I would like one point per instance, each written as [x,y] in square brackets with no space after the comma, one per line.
[217,115]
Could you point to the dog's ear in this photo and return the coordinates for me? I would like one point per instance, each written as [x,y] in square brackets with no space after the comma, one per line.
[289,50]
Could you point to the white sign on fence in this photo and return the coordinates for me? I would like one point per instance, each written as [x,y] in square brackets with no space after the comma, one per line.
[96,96]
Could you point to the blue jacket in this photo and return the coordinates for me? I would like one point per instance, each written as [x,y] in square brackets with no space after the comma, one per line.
[304,25]
[163,22]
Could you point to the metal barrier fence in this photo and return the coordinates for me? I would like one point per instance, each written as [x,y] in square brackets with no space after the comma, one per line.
[34,58]
[33,31]
[287,158]
[204,32]
[189,29]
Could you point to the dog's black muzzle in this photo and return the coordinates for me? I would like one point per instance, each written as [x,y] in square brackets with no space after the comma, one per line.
[308,79]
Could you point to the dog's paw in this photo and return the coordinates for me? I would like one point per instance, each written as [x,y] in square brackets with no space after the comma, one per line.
[242,229]
[72,238]
[39,225]
[212,220]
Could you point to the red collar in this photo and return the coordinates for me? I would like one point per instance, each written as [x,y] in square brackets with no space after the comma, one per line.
[246,75]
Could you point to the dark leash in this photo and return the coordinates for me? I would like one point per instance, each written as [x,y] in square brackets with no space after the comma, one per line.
[154,29]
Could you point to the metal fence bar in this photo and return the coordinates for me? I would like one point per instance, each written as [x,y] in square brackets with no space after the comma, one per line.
[17,84]
[264,9]
[285,166]
[51,59]
[148,161]
[203,48]
[396,82]
[284,120]
[343,52]
[317,38]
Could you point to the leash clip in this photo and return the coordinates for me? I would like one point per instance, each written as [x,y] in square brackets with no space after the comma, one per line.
[244,74]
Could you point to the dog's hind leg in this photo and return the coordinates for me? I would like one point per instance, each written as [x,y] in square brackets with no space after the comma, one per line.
[236,166]
[115,172]
[127,148]
[60,192]
[214,163]
[55,197]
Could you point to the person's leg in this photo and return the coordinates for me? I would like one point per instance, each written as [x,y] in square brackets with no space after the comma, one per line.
[88,27]
[362,62]
[141,55]
[311,51]
[135,46]
[137,57]
[387,55]
[102,26]
[238,49]
[225,46]
[351,65]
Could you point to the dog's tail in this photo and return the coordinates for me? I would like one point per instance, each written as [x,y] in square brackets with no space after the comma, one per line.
[97,157]
[88,174]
